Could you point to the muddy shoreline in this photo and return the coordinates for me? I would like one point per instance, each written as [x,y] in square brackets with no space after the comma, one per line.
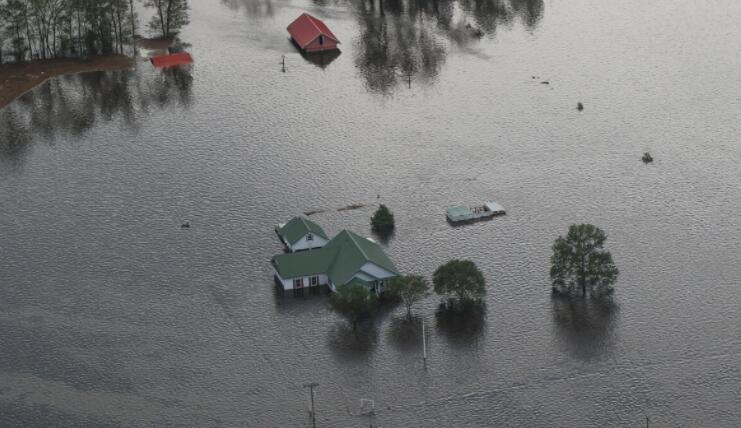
[17,79]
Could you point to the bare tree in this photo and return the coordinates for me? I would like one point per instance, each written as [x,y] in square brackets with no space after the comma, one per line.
[170,16]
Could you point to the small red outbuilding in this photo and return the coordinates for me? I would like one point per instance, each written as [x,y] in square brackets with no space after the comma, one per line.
[172,60]
[312,35]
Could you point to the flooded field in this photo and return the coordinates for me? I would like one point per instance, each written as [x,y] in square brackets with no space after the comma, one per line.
[112,314]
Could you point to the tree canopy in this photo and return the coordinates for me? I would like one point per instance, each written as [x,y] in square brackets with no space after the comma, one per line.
[169,16]
[580,262]
[43,29]
[353,301]
[460,279]
[383,220]
[409,289]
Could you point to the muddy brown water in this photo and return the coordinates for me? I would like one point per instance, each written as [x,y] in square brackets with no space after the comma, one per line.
[112,314]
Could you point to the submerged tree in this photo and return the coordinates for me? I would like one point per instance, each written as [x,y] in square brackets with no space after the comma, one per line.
[460,279]
[580,262]
[2,28]
[410,289]
[43,29]
[353,301]
[169,16]
[383,220]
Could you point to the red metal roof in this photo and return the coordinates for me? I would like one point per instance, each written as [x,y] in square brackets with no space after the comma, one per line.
[306,28]
[172,60]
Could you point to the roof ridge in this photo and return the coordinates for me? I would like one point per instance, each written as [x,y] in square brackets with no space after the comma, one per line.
[358,245]
[303,221]
[330,267]
[311,19]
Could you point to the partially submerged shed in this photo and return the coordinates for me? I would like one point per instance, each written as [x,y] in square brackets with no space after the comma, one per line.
[164,61]
[312,35]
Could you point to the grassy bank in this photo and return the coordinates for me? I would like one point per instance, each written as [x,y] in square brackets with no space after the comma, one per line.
[17,79]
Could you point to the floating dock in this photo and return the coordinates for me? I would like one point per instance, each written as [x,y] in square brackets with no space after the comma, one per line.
[460,214]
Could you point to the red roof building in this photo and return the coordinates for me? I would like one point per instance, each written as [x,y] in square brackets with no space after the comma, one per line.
[312,35]
[172,60]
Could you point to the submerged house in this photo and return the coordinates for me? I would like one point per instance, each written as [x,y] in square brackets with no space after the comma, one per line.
[301,234]
[312,35]
[346,258]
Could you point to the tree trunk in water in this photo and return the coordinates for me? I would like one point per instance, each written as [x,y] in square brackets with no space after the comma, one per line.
[582,278]
[133,25]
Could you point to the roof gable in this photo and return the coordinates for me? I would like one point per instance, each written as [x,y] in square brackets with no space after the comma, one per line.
[354,252]
[306,28]
[298,227]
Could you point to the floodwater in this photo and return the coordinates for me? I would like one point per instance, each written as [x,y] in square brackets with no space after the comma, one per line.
[111,314]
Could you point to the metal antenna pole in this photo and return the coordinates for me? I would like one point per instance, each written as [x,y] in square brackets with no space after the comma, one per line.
[311,387]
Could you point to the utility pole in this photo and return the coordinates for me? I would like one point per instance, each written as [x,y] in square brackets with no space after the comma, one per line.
[424,343]
[311,387]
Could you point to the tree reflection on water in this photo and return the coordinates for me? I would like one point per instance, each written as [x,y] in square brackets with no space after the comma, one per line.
[406,334]
[585,327]
[462,324]
[252,8]
[73,104]
[348,344]
[408,39]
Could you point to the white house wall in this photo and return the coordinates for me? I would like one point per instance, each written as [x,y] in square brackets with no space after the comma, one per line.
[288,283]
[303,244]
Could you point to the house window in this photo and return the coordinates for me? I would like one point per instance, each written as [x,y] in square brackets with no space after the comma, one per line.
[314,281]
[309,237]
[321,40]
[298,283]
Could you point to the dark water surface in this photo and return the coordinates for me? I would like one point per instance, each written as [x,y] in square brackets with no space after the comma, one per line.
[111,314]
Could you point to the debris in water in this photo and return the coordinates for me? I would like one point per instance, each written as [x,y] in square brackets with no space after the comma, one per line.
[312,212]
[185,225]
[579,106]
[647,158]
[475,32]
[351,207]
[545,82]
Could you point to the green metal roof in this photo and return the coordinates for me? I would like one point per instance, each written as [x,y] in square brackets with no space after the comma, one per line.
[354,252]
[298,227]
[340,259]
[304,263]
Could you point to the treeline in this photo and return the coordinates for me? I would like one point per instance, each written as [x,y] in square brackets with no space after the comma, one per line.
[44,29]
